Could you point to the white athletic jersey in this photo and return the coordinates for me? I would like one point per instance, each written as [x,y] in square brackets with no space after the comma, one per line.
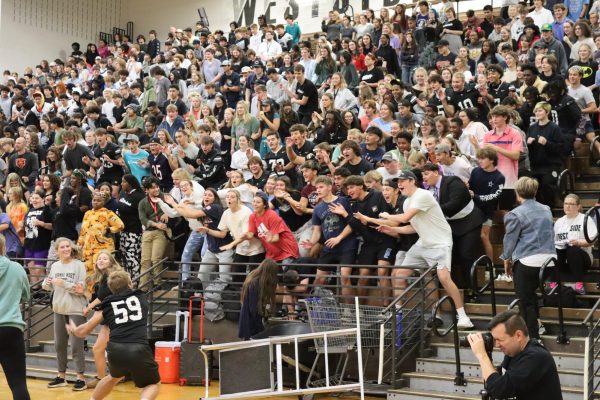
[430,223]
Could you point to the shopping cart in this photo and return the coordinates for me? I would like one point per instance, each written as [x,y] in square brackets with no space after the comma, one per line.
[326,314]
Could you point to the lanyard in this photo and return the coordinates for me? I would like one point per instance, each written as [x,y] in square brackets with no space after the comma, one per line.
[154,208]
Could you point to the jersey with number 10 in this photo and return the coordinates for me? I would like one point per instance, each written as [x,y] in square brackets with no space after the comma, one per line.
[126,315]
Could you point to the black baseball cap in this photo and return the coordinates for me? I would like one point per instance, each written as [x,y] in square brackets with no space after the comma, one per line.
[407,175]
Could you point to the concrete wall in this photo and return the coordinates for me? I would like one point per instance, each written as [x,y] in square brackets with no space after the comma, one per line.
[32,30]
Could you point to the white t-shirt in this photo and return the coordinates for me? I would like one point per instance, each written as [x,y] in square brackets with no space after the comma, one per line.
[459,168]
[386,175]
[567,229]
[430,223]
[237,224]
[541,17]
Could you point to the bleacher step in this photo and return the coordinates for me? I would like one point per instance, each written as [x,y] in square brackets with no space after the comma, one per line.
[568,377]
[563,360]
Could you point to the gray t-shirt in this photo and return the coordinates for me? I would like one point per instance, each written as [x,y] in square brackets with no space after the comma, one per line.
[582,95]
[73,158]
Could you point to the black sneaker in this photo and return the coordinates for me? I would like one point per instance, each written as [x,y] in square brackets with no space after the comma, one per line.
[57,382]
[79,385]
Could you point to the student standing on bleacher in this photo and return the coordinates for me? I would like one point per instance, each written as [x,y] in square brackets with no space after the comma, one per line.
[528,243]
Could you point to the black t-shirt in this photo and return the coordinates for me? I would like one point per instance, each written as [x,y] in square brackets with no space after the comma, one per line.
[232,79]
[74,158]
[109,170]
[442,61]
[101,290]
[260,181]
[372,76]
[286,212]
[126,315]
[65,222]
[161,169]
[359,169]
[37,237]
[589,71]
[308,89]
[127,210]
[181,107]
[84,199]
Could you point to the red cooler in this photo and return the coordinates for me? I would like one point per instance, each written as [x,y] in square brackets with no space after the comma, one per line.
[166,355]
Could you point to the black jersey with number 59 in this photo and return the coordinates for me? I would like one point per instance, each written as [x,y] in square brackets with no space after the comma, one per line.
[126,315]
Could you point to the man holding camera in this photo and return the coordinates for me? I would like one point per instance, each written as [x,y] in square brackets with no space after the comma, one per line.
[528,370]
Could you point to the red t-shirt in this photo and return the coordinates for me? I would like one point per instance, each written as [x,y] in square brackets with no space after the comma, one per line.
[285,247]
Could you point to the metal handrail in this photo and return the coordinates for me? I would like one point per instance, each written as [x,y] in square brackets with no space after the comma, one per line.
[596,211]
[570,183]
[489,265]
[407,290]
[590,315]
[562,337]
[459,377]
[593,147]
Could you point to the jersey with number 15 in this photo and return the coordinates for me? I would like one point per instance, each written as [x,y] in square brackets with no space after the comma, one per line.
[126,315]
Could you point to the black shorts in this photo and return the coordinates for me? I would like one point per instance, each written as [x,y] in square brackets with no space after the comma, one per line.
[135,359]
[507,200]
[371,253]
[344,259]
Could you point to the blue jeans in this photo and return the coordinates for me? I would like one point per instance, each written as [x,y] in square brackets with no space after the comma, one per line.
[193,245]
[407,71]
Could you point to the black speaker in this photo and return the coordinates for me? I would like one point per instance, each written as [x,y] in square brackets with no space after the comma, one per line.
[245,370]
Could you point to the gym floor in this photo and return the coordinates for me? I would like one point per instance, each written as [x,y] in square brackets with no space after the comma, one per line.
[124,391]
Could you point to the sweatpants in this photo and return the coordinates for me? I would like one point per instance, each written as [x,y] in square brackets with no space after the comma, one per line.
[12,359]
[61,341]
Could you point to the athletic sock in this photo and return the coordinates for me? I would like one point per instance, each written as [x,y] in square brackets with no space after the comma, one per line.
[461,312]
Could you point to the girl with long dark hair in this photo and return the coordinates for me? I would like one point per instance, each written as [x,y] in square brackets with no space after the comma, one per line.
[258,298]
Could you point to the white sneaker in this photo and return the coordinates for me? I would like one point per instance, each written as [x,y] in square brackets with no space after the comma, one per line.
[464,323]
[501,277]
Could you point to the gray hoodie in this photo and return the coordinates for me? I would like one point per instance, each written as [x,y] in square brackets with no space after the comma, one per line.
[65,301]
[14,289]
[558,50]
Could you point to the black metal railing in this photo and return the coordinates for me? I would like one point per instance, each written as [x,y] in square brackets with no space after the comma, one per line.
[129,28]
[562,337]
[459,376]
[594,214]
[409,309]
[565,183]
[475,290]
[107,37]
[36,310]
[592,368]
[121,32]
[594,156]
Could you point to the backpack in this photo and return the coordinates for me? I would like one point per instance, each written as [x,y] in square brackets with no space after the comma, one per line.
[568,297]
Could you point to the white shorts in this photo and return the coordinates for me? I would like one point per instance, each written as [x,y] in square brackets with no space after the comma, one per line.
[400,256]
[439,257]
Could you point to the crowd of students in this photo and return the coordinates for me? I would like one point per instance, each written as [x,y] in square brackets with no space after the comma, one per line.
[350,147]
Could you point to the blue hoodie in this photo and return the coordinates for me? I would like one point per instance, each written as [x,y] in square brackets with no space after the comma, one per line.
[14,290]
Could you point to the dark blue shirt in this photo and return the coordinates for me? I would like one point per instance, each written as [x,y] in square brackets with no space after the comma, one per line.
[213,217]
[333,224]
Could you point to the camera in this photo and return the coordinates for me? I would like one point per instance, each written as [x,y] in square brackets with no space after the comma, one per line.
[488,340]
